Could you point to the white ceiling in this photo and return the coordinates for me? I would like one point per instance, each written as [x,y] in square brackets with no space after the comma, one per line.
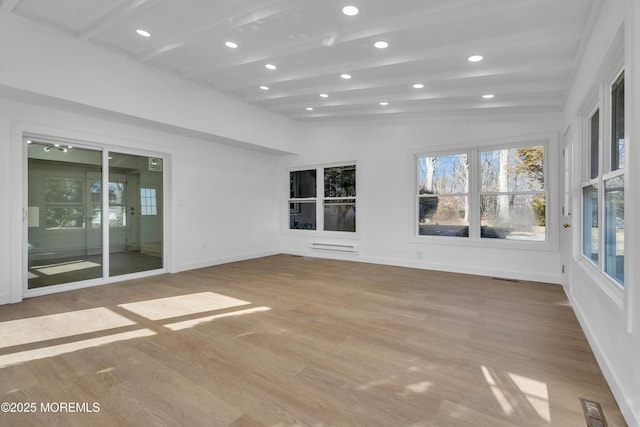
[530,49]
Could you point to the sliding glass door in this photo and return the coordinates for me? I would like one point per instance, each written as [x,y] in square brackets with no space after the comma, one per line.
[64,220]
[80,229]
[135,213]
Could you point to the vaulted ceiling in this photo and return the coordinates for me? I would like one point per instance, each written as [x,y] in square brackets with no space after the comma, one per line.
[530,49]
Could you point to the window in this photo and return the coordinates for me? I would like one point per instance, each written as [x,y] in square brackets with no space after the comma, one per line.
[64,198]
[484,193]
[590,223]
[614,188]
[595,144]
[443,195]
[512,197]
[617,124]
[148,201]
[603,192]
[117,202]
[302,200]
[338,197]
[614,228]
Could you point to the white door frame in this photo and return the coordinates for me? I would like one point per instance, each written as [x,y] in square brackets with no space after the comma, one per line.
[566,218]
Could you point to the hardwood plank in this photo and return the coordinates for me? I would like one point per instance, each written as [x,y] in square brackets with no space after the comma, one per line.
[321,342]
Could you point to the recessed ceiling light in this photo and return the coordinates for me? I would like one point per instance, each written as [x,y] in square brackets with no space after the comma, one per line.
[488,96]
[270,67]
[230,44]
[350,10]
[381,44]
[143,33]
[346,76]
[324,95]
[264,87]
[475,58]
[384,103]
[418,86]
[309,108]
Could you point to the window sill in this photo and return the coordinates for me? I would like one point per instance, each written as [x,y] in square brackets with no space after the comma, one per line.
[607,285]
[346,235]
[544,246]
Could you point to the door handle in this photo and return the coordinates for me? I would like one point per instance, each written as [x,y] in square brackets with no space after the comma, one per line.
[565,225]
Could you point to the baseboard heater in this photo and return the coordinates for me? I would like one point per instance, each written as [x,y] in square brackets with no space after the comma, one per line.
[334,247]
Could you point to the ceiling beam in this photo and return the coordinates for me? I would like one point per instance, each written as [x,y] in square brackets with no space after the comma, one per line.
[246,16]
[533,90]
[549,37]
[116,16]
[378,112]
[549,63]
[8,5]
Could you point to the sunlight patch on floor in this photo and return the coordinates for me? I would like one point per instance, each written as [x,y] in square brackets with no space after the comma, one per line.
[422,387]
[64,267]
[183,305]
[536,393]
[513,392]
[194,322]
[497,392]
[57,350]
[61,325]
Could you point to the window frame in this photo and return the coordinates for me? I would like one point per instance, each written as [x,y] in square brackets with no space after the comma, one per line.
[148,202]
[545,140]
[604,104]
[81,205]
[544,189]
[418,196]
[320,200]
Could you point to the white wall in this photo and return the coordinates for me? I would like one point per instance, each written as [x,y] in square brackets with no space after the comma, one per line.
[612,327]
[39,60]
[223,200]
[384,152]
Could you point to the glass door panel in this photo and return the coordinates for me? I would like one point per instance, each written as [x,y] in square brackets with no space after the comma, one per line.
[64,214]
[135,213]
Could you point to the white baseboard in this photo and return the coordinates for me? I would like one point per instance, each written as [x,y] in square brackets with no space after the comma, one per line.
[224,260]
[5,299]
[631,416]
[425,265]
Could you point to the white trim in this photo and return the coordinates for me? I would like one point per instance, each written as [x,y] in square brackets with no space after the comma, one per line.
[426,265]
[613,65]
[224,260]
[54,289]
[473,151]
[5,299]
[605,283]
[626,407]
[21,131]
[632,131]
[319,201]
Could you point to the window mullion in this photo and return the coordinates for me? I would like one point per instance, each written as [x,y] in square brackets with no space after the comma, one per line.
[474,194]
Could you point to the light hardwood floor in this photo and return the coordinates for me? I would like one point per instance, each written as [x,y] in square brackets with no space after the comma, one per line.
[284,341]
